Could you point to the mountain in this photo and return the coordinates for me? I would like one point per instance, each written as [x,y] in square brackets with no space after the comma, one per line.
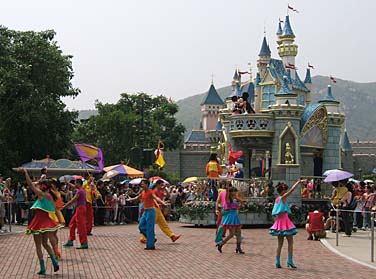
[358,101]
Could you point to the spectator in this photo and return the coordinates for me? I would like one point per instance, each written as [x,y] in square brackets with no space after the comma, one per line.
[368,200]
[315,225]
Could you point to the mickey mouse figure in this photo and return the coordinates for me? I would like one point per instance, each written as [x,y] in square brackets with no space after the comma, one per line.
[241,105]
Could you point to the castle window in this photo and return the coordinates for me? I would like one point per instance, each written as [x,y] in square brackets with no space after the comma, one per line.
[268,97]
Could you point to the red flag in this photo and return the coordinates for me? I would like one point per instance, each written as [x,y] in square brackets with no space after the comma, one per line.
[333,79]
[290,66]
[280,20]
[310,66]
[293,9]
[243,73]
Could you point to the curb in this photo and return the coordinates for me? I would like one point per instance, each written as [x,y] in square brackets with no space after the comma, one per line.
[334,250]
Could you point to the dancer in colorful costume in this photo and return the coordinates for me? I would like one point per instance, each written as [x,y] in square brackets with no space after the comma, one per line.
[231,221]
[42,225]
[160,219]
[79,218]
[283,227]
[147,221]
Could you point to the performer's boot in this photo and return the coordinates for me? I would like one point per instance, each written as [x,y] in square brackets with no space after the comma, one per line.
[219,246]
[56,251]
[278,262]
[69,243]
[290,263]
[42,270]
[83,246]
[239,248]
[55,263]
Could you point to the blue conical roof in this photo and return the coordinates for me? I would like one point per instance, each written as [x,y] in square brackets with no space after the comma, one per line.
[308,76]
[212,97]
[285,89]
[329,97]
[237,89]
[265,50]
[287,30]
[346,145]
[279,31]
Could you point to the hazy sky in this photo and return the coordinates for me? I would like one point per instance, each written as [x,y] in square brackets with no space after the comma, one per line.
[173,47]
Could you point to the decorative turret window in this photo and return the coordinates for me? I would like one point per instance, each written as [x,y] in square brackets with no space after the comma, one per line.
[268,97]
[301,100]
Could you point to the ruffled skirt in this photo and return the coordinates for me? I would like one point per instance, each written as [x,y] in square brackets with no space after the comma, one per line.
[231,220]
[42,223]
[283,226]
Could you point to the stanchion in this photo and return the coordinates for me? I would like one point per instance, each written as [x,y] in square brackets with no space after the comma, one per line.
[372,235]
[337,225]
[10,216]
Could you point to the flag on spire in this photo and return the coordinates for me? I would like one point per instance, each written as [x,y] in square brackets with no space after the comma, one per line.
[310,66]
[290,66]
[280,20]
[243,73]
[89,152]
[333,79]
[293,9]
[159,160]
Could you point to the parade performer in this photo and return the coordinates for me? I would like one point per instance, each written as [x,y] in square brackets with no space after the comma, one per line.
[159,217]
[283,226]
[79,218]
[231,221]
[147,221]
[42,226]
[57,217]
[91,194]
[221,213]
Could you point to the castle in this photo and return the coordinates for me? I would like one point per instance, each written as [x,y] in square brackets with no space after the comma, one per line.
[286,137]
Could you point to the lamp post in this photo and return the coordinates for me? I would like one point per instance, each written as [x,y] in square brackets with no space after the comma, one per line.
[142,134]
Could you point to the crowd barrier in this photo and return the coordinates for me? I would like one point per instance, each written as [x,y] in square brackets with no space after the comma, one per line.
[372,226]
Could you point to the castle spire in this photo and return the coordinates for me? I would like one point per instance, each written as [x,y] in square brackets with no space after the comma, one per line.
[308,76]
[279,31]
[329,97]
[287,30]
[265,50]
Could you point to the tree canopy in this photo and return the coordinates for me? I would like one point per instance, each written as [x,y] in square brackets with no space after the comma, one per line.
[34,75]
[136,120]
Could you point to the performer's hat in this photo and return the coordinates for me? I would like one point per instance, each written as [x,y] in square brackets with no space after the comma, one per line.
[240,161]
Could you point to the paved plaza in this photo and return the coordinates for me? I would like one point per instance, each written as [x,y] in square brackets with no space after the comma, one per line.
[115,252]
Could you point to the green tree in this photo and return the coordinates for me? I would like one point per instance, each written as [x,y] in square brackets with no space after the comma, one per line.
[34,76]
[117,128]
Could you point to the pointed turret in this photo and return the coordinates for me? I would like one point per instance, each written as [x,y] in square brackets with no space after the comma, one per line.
[308,79]
[210,106]
[287,49]
[329,97]
[279,30]
[346,145]
[287,30]
[235,79]
[265,50]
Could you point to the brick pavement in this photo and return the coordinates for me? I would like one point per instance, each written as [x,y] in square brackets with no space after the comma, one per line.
[115,252]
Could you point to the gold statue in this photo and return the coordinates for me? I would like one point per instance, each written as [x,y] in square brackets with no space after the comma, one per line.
[289,158]
[221,149]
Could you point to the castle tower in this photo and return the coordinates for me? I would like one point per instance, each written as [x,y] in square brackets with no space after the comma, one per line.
[286,163]
[236,79]
[332,156]
[210,106]
[287,50]
[264,57]
[308,84]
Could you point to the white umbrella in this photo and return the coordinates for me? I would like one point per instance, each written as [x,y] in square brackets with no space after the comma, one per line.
[135,181]
[337,175]
[110,174]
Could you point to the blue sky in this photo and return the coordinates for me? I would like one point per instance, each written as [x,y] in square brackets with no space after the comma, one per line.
[173,47]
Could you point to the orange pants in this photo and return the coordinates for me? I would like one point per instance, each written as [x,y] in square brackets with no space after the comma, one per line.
[89,217]
[78,221]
